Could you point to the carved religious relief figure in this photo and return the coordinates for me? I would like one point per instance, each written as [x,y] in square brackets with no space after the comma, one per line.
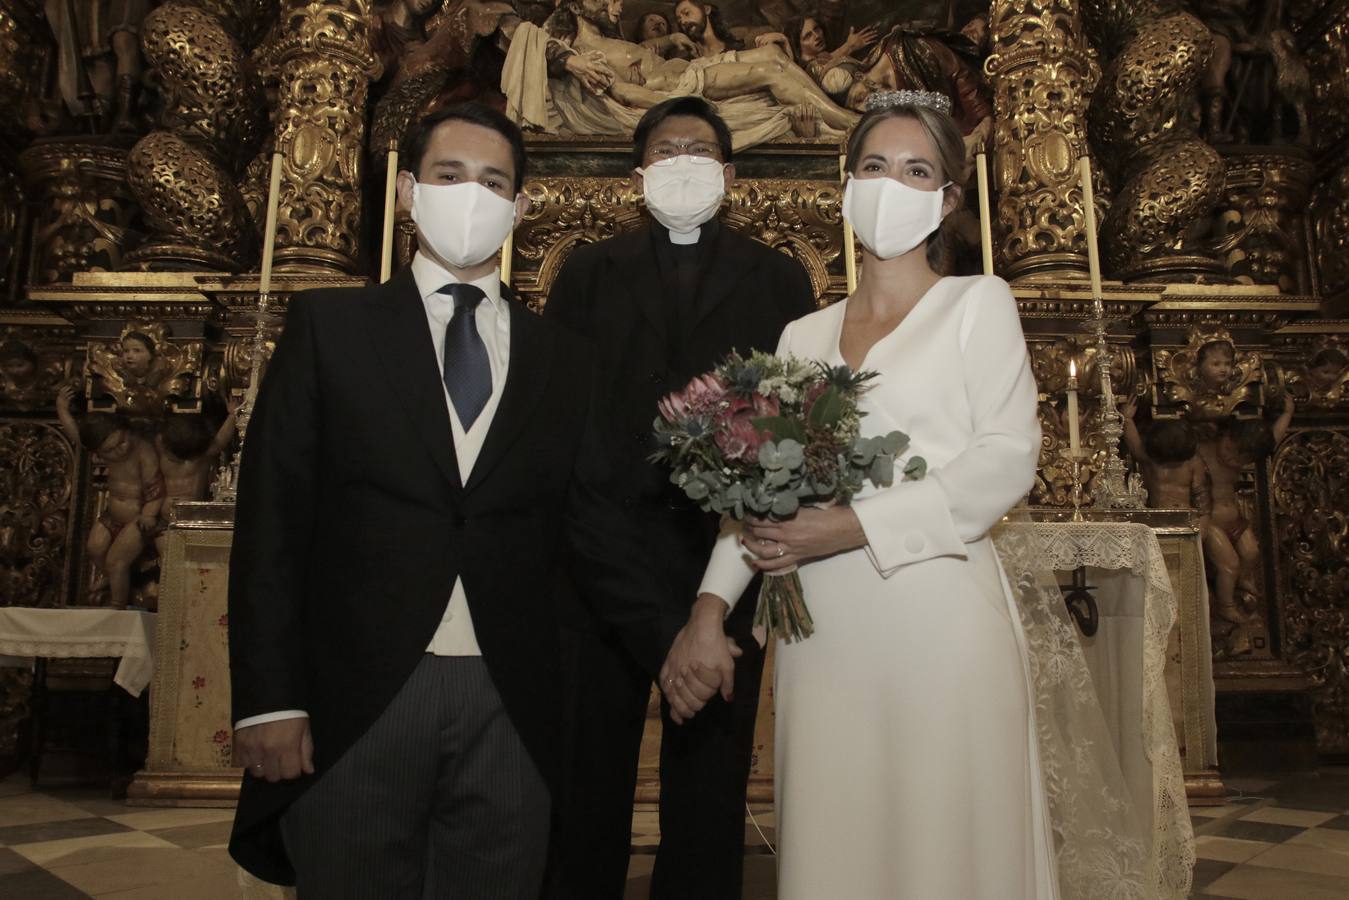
[1209,378]
[1232,550]
[37,484]
[129,510]
[99,66]
[1323,379]
[28,379]
[143,372]
[1256,88]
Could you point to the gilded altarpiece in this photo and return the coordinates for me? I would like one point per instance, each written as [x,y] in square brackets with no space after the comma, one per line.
[143,204]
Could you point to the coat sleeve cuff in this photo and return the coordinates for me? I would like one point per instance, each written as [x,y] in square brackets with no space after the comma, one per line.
[908,523]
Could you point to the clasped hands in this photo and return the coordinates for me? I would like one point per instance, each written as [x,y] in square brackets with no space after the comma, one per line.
[701,661]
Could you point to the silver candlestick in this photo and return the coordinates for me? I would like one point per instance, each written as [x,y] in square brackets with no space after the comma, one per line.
[226,483]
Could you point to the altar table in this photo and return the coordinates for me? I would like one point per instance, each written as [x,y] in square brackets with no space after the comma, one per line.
[1108,741]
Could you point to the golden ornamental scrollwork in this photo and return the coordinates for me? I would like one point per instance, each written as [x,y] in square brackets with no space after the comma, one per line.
[1259,223]
[1168,179]
[87,218]
[1042,73]
[209,95]
[324,68]
[1049,364]
[1328,59]
[1209,378]
[802,218]
[144,373]
[37,485]
[1330,231]
[1319,378]
[190,199]
[1310,475]
[30,372]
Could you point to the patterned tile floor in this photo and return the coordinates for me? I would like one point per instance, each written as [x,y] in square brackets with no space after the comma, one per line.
[1277,838]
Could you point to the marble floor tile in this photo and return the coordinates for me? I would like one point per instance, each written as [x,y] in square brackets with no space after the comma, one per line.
[1339,822]
[1302,858]
[1257,831]
[11,862]
[1219,812]
[108,870]
[1256,883]
[193,837]
[1206,871]
[1333,839]
[1228,849]
[54,854]
[1278,815]
[17,783]
[155,819]
[31,808]
[35,884]
[42,832]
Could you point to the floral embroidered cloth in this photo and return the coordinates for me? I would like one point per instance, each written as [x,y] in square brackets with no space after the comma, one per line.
[1107,740]
[26,632]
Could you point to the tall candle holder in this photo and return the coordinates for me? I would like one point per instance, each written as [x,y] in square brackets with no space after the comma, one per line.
[1113,489]
[226,485]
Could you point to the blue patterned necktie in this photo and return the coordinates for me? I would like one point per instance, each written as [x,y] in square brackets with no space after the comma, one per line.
[468,375]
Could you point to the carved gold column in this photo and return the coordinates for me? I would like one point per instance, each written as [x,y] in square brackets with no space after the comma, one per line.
[1042,72]
[325,67]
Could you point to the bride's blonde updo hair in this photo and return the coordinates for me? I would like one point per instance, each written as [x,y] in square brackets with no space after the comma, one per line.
[931,111]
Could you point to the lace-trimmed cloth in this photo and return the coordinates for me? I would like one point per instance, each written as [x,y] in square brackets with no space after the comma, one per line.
[69,633]
[1117,796]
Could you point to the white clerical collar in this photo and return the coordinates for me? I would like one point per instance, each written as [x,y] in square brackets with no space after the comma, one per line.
[686,238]
[430,276]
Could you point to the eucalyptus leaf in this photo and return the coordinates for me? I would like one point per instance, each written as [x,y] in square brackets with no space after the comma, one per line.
[882,470]
[827,409]
[780,427]
[785,504]
[915,469]
[895,443]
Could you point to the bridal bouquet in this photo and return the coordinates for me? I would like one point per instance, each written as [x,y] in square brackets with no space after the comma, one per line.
[762,436]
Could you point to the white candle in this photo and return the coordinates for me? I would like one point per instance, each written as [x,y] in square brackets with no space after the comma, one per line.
[1074,443]
[849,239]
[1089,216]
[386,242]
[273,198]
[985,216]
[507,258]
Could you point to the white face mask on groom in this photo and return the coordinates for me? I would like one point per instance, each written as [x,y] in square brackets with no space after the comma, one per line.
[464,224]
[685,192]
[889,217]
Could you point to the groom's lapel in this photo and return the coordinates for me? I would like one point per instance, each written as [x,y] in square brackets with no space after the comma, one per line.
[531,359]
[402,340]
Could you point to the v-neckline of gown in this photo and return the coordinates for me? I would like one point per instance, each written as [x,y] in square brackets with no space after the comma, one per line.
[838,336]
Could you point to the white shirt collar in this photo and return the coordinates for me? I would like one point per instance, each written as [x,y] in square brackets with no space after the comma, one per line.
[430,276]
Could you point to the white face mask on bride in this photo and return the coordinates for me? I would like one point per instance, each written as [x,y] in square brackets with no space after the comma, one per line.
[889,217]
[685,192]
[463,223]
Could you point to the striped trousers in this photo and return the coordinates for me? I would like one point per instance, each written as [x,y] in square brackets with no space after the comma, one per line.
[439,799]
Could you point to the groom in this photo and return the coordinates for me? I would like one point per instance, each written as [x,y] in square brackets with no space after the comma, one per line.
[417,454]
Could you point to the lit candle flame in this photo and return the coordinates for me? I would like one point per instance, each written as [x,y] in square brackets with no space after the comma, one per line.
[1072,368]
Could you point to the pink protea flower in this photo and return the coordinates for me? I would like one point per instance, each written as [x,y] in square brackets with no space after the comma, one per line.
[736,435]
[701,396]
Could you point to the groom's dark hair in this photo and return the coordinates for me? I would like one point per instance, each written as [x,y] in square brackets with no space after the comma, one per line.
[414,145]
[693,107]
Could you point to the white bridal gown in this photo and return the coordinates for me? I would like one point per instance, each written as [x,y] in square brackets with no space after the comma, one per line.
[906,759]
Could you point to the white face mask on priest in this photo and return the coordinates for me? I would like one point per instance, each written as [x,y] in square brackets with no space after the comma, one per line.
[682,166]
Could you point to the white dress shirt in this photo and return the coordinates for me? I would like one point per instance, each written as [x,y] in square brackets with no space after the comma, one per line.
[455,636]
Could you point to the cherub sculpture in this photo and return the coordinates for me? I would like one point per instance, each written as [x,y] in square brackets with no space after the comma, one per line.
[1209,377]
[135,495]
[143,372]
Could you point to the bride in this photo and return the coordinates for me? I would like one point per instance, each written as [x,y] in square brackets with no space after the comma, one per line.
[906,760]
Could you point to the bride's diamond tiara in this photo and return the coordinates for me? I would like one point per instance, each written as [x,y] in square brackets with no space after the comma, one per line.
[931,99]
